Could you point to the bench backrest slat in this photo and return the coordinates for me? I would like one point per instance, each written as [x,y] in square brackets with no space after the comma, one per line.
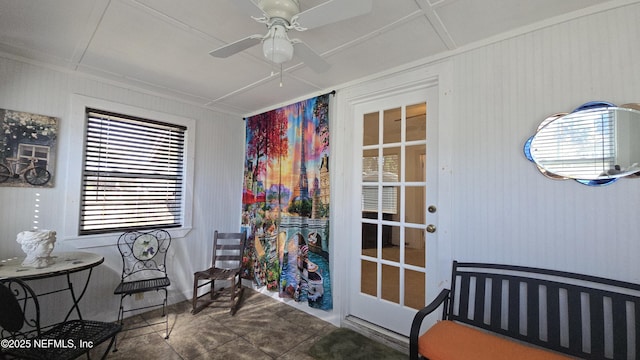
[496,306]
[597,323]
[479,302]
[533,308]
[637,323]
[465,291]
[619,325]
[514,304]
[580,315]
[575,320]
[553,314]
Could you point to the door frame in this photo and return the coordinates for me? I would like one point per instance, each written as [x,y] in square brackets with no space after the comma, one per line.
[346,179]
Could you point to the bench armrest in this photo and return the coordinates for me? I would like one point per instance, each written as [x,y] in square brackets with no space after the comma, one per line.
[417,322]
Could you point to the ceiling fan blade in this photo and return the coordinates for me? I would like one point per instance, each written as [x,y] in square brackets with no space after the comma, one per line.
[333,11]
[309,57]
[236,47]
[249,7]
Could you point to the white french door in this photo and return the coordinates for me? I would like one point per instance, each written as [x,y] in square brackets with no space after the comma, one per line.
[393,261]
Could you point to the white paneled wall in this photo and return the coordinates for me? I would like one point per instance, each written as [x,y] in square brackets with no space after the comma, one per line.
[501,209]
[219,155]
[504,210]
[495,206]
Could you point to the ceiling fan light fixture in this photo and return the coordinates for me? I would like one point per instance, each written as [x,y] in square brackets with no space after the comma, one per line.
[281,16]
[277,47]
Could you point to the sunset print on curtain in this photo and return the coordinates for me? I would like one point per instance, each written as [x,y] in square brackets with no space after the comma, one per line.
[285,201]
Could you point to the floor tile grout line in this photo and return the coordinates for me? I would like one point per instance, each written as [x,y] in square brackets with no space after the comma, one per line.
[180,318]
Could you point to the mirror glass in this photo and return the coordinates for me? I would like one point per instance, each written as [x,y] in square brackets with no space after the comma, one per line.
[595,144]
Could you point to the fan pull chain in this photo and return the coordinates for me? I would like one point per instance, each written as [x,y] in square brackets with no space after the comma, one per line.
[281,75]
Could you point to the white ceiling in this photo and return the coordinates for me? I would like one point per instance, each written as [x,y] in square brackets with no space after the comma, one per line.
[163,45]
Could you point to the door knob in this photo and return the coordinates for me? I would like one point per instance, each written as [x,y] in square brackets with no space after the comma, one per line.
[431,228]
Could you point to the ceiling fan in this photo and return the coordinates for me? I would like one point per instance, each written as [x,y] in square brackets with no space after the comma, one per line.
[280,16]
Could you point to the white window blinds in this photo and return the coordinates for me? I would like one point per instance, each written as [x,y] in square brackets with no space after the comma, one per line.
[583,145]
[390,199]
[132,174]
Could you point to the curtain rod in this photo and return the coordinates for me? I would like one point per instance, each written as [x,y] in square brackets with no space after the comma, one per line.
[332,92]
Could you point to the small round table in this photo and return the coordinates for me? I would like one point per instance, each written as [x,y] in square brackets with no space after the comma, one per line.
[65,264]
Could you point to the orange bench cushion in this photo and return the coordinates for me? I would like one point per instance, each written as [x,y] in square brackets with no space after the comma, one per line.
[448,340]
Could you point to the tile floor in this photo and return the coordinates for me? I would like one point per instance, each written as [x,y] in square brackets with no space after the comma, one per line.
[214,334]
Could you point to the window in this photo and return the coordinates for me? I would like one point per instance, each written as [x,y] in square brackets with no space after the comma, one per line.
[26,152]
[132,173]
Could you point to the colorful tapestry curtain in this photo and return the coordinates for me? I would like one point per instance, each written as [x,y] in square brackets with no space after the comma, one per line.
[285,201]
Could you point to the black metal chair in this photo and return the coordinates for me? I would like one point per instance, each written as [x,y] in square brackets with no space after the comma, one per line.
[28,339]
[144,256]
[226,265]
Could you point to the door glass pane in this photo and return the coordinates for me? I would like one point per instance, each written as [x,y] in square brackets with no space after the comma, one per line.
[415,163]
[391,203]
[391,243]
[390,283]
[371,129]
[417,122]
[414,247]
[414,204]
[369,237]
[370,165]
[370,201]
[391,164]
[414,289]
[369,275]
[392,126]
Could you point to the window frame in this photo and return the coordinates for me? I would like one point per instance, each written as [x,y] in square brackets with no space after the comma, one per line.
[130,163]
[79,104]
[23,160]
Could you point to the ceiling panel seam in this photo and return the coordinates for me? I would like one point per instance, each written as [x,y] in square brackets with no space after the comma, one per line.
[93,23]
[185,27]
[172,21]
[437,23]
[150,86]
[390,26]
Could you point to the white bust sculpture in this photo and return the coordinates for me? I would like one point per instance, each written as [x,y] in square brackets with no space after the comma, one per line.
[37,245]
